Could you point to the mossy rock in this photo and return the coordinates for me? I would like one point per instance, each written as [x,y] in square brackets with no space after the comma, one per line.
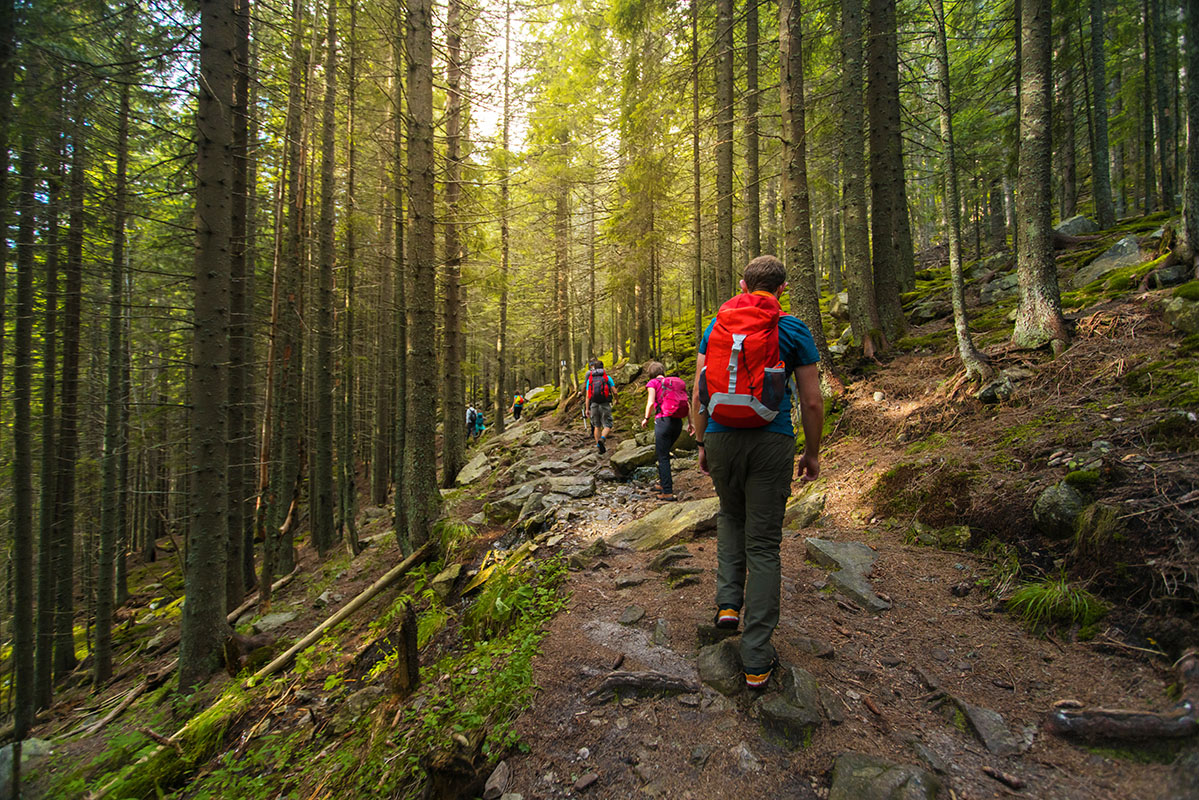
[1188,291]
[1083,478]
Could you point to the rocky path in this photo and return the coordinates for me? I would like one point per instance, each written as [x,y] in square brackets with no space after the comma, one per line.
[900,677]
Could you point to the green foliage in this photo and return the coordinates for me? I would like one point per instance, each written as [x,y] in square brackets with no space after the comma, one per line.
[1052,602]
[1097,526]
[934,442]
[452,535]
[1083,478]
[1005,567]
[318,655]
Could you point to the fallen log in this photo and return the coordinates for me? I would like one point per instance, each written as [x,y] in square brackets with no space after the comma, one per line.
[349,608]
[232,616]
[1127,724]
[643,683]
[151,681]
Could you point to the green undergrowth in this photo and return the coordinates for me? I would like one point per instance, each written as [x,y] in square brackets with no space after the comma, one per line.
[1172,382]
[1053,603]
[472,694]
[936,492]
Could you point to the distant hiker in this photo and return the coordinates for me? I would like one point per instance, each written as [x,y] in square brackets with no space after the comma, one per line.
[480,425]
[741,412]
[518,403]
[472,415]
[667,400]
[600,394]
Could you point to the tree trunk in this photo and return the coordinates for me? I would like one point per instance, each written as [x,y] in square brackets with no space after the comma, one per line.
[1068,198]
[204,626]
[44,685]
[22,464]
[1165,113]
[797,215]
[321,491]
[1039,316]
[453,442]
[701,303]
[972,360]
[753,221]
[501,340]
[882,100]
[1102,182]
[8,25]
[240,379]
[420,479]
[1148,175]
[863,312]
[347,482]
[725,280]
[1190,199]
[63,555]
[400,297]
[113,401]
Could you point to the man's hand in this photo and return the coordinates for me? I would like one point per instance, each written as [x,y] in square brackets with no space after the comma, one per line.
[703,459]
[808,468]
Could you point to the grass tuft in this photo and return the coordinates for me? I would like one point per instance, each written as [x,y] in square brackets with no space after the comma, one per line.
[1052,602]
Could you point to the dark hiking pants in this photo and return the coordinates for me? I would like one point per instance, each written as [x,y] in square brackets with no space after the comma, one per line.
[666,433]
[752,472]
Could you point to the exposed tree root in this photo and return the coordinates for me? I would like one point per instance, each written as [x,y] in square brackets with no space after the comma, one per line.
[1109,723]
[642,683]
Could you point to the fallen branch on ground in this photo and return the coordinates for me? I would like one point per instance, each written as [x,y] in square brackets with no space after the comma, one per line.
[349,608]
[643,683]
[1116,723]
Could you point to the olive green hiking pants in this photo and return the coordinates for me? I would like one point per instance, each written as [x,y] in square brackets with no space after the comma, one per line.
[752,472]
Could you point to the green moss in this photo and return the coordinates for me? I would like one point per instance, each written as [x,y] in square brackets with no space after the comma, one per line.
[1176,431]
[1173,382]
[934,442]
[1158,752]
[936,492]
[1083,478]
[1188,291]
[1097,528]
[930,341]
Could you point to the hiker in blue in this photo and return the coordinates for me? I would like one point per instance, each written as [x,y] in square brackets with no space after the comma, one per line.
[741,410]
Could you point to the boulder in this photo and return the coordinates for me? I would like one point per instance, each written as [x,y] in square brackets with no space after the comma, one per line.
[518,432]
[1057,509]
[32,752]
[626,373]
[509,506]
[538,392]
[1123,253]
[1171,275]
[541,469]
[274,620]
[854,562]
[999,390]
[572,485]
[667,525]
[797,712]
[930,308]
[475,469]
[630,456]
[999,288]
[1182,314]
[539,439]
[720,667]
[838,306]
[989,727]
[1077,226]
[443,584]
[804,508]
[857,776]
[355,706]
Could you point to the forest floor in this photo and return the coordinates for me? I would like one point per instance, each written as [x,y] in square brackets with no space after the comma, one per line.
[909,451]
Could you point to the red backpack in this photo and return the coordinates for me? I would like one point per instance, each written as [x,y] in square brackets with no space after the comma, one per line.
[597,386]
[743,379]
[672,398]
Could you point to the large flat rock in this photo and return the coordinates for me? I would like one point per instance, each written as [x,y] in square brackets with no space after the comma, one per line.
[475,469]
[1077,226]
[572,485]
[857,776]
[1123,253]
[668,524]
[853,562]
[628,458]
[989,727]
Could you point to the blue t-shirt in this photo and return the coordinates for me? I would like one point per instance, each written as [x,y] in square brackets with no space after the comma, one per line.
[796,348]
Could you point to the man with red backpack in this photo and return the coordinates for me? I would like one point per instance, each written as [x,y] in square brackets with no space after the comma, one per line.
[600,394]
[741,410]
[668,400]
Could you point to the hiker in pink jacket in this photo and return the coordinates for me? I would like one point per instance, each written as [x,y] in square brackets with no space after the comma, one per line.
[667,401]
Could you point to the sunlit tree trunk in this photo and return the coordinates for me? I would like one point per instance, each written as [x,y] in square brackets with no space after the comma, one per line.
[797,215]
[725,281]
[753,220]
[1039,317]
[863,313]
[701,303]
[1190,198]
[972,360]
[1148,174]
[501,342]
[1068,196]
[347,482]
[204,627]
[1164,110]
[400,296]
